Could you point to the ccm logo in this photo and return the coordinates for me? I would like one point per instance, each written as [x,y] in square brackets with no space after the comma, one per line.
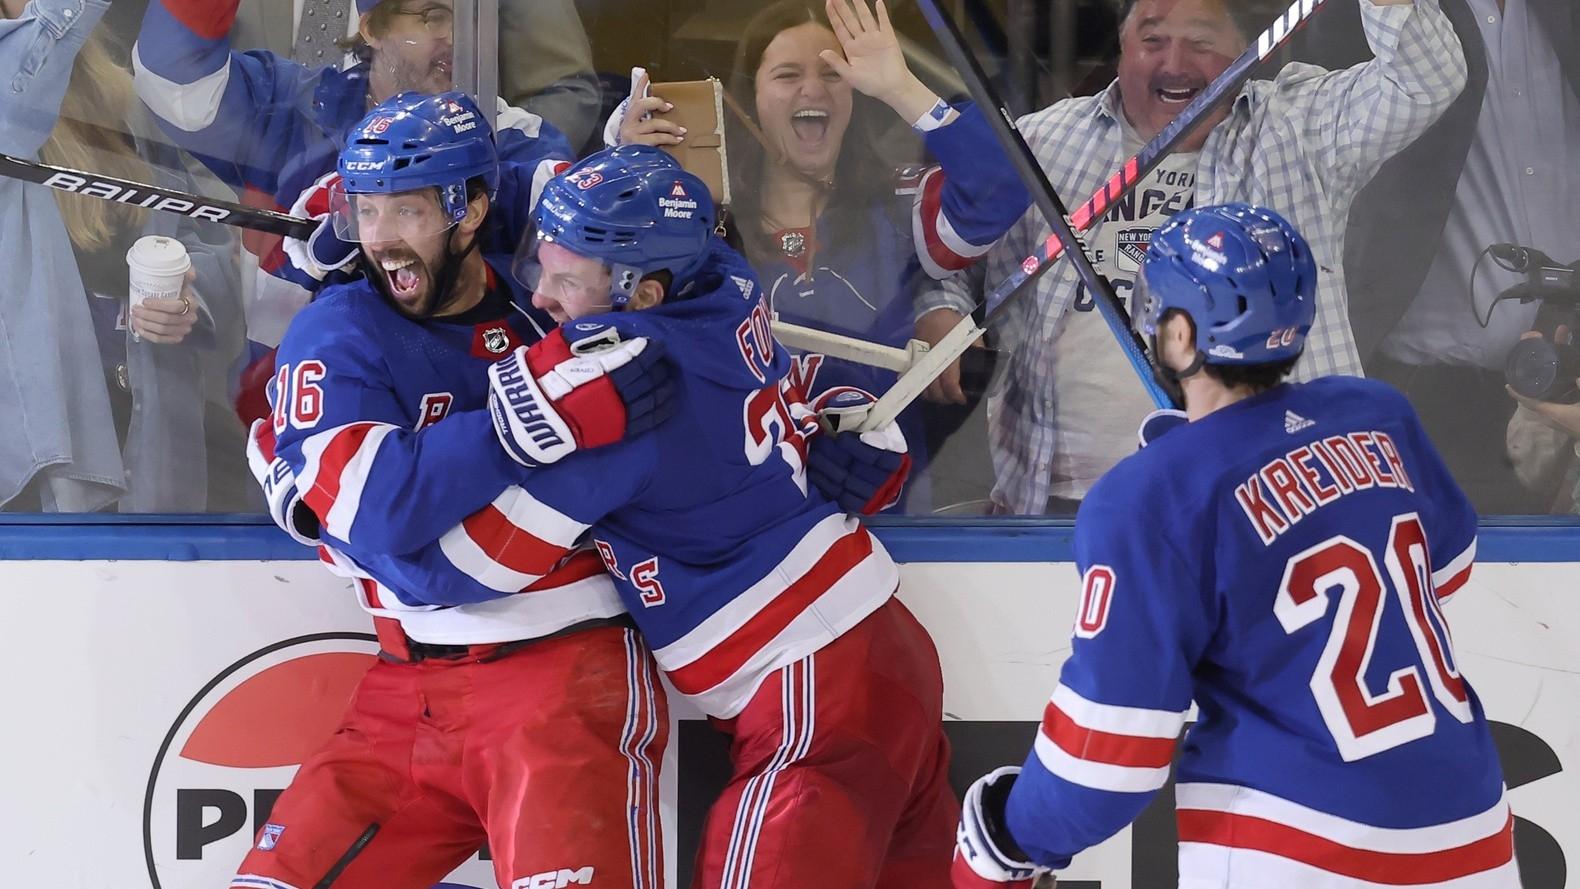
[363,166]
[556,879]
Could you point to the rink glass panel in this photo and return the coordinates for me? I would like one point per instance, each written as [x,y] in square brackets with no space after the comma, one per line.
[153,428]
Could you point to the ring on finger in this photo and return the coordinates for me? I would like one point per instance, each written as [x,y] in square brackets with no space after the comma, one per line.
[186,304]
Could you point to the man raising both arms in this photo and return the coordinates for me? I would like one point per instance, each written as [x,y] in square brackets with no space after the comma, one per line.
[1290,580]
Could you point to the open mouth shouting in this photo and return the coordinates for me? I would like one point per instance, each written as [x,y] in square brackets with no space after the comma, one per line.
[810,124]
[404,274]
[1180,96]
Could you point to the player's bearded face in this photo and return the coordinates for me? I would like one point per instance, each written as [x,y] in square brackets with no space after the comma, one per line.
[1169,51]
[418,50]
[803,106]
[405,238]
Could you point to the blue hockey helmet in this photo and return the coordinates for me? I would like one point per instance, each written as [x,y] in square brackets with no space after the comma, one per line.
[634,208]
[1243,274]
[414,141]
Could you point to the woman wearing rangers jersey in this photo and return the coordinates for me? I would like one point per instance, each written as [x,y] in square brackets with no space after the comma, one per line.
[1303,538]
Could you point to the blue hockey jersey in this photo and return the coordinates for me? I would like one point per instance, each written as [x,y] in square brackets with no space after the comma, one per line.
[729,564]
[384,421]
[1282,562]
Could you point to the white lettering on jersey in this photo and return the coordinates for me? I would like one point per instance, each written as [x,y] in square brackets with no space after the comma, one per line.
[1097,594]
[1309,477]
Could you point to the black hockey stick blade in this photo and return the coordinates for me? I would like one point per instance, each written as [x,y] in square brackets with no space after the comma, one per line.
[153,197]
[1046,199]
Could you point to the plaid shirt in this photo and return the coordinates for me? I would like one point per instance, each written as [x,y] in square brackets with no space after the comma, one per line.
[1302,144]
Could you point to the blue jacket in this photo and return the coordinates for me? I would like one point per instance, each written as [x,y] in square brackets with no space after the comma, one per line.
[60,440]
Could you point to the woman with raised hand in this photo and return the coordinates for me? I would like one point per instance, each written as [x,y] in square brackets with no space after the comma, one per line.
[844,237]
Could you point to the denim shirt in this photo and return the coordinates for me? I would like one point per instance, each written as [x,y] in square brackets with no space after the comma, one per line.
[60,440]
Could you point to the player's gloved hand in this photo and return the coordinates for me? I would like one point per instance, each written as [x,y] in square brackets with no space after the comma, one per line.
[1159,422]
[274,475]
[323,251]
[985,854]
[582,386]
[862,472]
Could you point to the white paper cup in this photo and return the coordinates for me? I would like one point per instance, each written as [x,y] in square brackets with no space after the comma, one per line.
[158,267]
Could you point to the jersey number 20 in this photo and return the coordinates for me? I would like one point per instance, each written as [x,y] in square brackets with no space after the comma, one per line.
[1343,575]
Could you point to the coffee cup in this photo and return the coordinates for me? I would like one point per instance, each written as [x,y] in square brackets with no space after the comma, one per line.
[158,268]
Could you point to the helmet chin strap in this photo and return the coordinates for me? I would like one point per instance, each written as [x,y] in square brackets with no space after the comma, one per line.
[1169,378]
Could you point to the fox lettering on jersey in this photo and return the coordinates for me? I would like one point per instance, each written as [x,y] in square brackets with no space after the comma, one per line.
[435,406]
[1317,473]
[755,337]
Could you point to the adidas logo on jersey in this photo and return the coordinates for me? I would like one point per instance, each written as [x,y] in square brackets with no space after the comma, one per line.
[1294,422]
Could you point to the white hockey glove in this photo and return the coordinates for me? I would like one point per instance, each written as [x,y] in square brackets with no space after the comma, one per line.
[582,386]
[1159,423]
[986,856]
[324,251]
[863,473]
[274,475]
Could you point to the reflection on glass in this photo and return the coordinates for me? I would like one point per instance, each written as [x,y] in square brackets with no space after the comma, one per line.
[112,387]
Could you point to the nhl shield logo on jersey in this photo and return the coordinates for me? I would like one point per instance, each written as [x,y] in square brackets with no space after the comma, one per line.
[496,340]
[491,340]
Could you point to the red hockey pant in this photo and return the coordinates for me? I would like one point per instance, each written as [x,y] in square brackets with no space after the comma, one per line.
[841,777]
[550,754]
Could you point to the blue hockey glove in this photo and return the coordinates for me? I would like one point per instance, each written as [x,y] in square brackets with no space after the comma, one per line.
[1159,423]
[324,251]
[274,475]
[582,386]
[862,473]
[986,856]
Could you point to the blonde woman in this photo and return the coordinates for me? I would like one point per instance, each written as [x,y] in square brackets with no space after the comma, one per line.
[105,403]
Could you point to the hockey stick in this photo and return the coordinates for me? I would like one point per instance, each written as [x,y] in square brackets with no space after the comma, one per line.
[1222,89]
[153,197]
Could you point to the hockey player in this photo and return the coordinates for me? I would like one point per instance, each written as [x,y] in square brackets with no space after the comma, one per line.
[1281,559]
[271,128]
[528,714]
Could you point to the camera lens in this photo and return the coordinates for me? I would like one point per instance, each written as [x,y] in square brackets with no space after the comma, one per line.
[1536,368]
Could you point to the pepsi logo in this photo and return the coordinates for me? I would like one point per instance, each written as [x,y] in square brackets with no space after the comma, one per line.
[235,747]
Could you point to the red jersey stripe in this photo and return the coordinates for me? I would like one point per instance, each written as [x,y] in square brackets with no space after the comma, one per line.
[1389,868]
[726,658]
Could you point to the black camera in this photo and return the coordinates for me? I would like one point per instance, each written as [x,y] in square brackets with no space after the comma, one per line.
[1546,365]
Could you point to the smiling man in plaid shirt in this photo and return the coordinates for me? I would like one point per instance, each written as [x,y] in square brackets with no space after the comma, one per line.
[1303,143]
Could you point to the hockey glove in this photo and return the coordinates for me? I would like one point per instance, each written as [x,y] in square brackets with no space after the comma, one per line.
[582,386]
[1160,422]
[323,251]
[274,475]
[863,473]
[986,856]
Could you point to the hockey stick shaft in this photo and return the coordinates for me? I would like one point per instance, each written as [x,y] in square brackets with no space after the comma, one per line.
[1223,88]
[154,197]
[1043,194]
